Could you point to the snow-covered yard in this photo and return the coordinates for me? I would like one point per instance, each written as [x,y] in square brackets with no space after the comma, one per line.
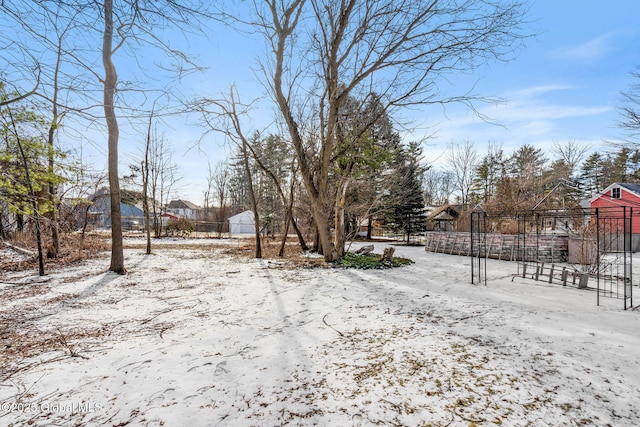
[197,336]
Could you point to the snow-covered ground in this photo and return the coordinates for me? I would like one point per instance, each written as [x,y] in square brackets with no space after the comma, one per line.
[196,336]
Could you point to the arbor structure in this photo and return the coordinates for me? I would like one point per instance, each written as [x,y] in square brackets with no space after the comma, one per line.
[323,53]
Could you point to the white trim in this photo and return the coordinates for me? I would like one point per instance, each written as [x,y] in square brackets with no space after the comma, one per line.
[608,191]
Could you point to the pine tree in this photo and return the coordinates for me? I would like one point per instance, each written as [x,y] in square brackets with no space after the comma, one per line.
[592,176]
[408,215]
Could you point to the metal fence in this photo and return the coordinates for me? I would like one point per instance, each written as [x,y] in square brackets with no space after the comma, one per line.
[587,248]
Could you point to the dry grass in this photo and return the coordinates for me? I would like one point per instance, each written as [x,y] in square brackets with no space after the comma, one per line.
[293,256]
[72,250]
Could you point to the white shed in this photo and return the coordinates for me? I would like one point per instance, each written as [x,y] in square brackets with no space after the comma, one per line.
[242,223]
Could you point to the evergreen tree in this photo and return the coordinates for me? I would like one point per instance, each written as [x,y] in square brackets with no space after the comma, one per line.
[592,177]
[20,121]
[487,174]
[369,160]
[620,165]
[408,215]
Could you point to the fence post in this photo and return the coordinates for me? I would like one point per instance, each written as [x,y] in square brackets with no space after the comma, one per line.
[565,273]
[551,273]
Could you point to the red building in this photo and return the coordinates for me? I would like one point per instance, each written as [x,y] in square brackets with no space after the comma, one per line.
[620,200]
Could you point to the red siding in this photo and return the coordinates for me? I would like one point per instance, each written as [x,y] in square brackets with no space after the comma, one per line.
[627,198]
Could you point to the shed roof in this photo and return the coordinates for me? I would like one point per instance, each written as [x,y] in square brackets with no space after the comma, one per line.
[633,188]
[245,214]
[182,204]
[444,212]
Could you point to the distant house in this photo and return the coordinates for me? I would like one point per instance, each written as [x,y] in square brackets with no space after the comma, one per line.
[183,209]
[166,217]
[619,195]
[242,223]
[442,218]
[100,213]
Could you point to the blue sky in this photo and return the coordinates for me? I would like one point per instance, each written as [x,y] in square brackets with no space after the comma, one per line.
[563,85]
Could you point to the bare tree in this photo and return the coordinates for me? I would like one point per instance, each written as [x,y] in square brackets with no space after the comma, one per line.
[47,29]
[437,185]
[226,118]
[145,166]
[219,184]
[322,52]
[118,25]
[462,158]
[572,154]
[161,173]
[630,107]
[110,82]
[17,60]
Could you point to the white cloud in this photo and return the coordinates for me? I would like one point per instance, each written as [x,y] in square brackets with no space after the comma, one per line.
[590,50]
[536,115]
[534,91]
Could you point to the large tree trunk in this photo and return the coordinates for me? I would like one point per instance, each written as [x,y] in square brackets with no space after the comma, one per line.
[316,193]
[145,186]
[3,233]
[55,234]
[32,196]
[285,234]
[294,224]
[325,244]
[145,201]
[252,196]
[340,229]
[292,221]
[110,80]
[53,215]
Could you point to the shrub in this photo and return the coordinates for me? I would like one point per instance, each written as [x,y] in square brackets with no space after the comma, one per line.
[370,261]
[179,227]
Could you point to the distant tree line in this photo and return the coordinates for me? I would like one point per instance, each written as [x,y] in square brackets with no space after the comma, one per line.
[338,76]
[519,180]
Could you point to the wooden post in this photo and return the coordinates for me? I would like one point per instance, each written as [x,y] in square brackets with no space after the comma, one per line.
[551,273]
[439,240]
[565,273]
[490,246]
[513,248]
